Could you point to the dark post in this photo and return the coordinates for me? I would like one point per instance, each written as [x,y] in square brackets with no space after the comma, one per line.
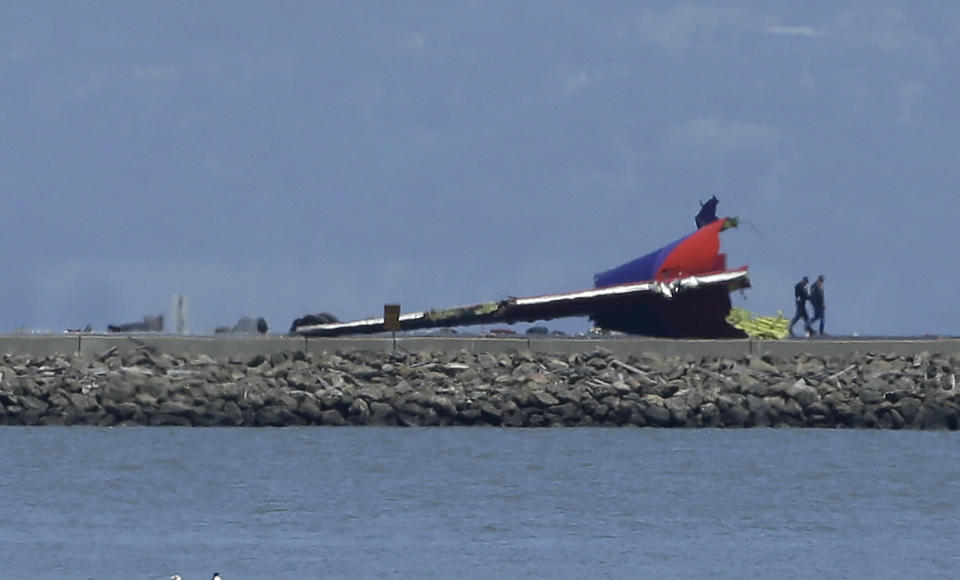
[391,320]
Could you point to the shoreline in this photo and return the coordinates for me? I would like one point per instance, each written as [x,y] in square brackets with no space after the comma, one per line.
[143,385]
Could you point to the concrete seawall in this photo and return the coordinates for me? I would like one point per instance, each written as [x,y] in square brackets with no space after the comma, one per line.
[281,381]
[65,344]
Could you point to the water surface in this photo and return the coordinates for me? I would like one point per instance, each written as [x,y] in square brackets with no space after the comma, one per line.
[368,502]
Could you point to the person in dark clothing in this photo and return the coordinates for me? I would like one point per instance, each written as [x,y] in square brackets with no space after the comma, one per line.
[708,212]
[800,297]
[817,301]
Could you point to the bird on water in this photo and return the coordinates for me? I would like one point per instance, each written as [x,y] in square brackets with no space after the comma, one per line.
[216,576]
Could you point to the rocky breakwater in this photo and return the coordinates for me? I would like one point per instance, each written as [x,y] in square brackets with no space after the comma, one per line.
[145,387]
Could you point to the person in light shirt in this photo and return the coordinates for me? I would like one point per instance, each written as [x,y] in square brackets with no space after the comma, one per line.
[818,302]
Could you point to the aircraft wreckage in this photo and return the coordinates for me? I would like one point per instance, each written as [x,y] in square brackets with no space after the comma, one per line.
[681,290]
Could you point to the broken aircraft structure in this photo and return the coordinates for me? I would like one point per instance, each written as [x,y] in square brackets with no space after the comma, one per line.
[681,290]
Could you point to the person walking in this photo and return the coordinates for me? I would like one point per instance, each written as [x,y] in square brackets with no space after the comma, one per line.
[817,301]
[800,297]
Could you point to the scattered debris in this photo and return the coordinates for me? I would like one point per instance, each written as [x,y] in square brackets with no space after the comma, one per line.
[502,332]
[245,325]
[85,329]
[148,324]
[308,319]
[759,327]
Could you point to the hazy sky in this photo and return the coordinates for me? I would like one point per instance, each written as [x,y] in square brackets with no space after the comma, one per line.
[278,158]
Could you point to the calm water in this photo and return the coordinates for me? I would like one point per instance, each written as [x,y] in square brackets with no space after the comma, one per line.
[477,503]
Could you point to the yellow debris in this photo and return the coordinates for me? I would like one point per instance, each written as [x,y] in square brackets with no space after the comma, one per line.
[760,327]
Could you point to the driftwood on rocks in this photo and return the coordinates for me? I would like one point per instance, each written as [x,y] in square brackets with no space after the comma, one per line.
[523,389]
